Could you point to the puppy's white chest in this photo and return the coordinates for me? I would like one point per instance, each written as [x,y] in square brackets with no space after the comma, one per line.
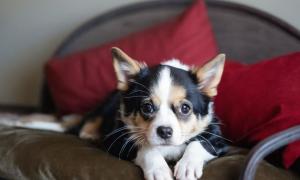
[171,152]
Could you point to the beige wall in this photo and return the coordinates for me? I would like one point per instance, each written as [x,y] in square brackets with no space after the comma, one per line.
[31,30]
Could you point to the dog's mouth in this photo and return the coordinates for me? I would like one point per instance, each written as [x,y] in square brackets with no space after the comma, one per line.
[166,143]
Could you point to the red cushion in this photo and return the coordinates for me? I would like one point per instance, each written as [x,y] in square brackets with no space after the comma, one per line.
[256,101]
[79,81]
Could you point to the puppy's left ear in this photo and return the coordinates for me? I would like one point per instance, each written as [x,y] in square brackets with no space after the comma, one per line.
[209,75]
[125,67]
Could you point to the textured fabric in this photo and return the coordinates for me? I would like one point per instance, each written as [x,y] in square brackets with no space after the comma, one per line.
[31,154]
[256,101]
[78,82]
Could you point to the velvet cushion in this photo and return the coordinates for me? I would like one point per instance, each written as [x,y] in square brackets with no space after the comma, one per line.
[256,101]
[32,154]
[80,81]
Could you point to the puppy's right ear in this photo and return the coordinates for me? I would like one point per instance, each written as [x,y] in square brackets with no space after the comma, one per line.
[125,67]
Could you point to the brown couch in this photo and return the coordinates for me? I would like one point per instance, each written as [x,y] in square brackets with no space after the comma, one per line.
[33,154]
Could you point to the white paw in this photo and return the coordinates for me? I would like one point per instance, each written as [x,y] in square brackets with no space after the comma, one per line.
[189,168]
[162,172]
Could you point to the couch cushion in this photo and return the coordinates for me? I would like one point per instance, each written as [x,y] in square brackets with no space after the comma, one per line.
[78,82]
[32,154]
[256,101]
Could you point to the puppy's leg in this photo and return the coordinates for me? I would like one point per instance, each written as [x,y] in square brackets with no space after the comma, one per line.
[153,164]
[190,166]
[91,129]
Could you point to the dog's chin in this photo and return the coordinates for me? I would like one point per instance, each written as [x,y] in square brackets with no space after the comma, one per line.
[166,143]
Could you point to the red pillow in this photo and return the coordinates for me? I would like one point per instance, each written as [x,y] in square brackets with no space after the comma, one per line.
[256,101]
[79,81]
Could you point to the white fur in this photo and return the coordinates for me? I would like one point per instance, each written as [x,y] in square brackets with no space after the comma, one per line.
[152,161]
[164,83]
[152,157]
[190,166]
[153,164]
[171,152]
[33,121]
[165,116]
[49,126]
[177,64]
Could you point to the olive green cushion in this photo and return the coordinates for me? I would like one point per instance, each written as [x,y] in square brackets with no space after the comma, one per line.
[32,154]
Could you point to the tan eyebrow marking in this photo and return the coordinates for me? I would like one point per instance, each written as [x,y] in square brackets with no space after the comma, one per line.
[178,93]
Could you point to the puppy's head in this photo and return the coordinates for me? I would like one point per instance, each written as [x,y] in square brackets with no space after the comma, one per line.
[167,104]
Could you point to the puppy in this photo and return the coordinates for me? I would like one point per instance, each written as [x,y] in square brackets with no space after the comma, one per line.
[157,114]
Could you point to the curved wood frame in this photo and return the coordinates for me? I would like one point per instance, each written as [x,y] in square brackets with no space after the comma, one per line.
[141,6]
[46,104]
[266,147]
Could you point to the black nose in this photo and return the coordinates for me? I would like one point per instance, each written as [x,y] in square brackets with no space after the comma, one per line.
[164,132]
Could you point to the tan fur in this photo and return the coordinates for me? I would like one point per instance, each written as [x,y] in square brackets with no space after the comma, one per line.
[156,101]
[178,93]
[91,129]
[189,127]
[134,67]
[70,121]
[139,122]
[208,82]
[193,126]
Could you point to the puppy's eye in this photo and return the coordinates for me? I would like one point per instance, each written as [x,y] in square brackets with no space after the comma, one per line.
[147,108]
[185,108]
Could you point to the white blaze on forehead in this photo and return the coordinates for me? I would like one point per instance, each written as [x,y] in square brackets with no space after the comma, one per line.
[165,116]
[176,64]
[163,86]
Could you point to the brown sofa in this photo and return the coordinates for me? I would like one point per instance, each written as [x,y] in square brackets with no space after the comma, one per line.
[33,154]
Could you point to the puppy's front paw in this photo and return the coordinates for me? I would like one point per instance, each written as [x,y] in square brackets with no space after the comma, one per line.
[161,172]
[189,168]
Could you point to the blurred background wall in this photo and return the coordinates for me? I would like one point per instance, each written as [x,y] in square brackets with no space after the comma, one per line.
[31,30]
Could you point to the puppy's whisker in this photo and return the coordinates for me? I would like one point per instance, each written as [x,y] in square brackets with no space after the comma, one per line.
[135,143]
[131,138]
[217,124]
[128,97]
[217,136]
[208,142]
[116,140]
[115,131]
[135,127]
[132,146]
[138,91]
[140,85]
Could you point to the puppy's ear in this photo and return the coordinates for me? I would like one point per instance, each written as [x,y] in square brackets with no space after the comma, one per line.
[125,67]
[209,75]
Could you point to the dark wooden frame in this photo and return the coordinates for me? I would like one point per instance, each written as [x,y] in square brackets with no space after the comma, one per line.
[141,6]
[46,102]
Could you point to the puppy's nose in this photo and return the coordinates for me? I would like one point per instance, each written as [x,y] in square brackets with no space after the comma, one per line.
[164,132]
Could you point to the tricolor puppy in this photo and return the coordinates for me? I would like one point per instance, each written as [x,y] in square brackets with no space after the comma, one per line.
[159,114]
